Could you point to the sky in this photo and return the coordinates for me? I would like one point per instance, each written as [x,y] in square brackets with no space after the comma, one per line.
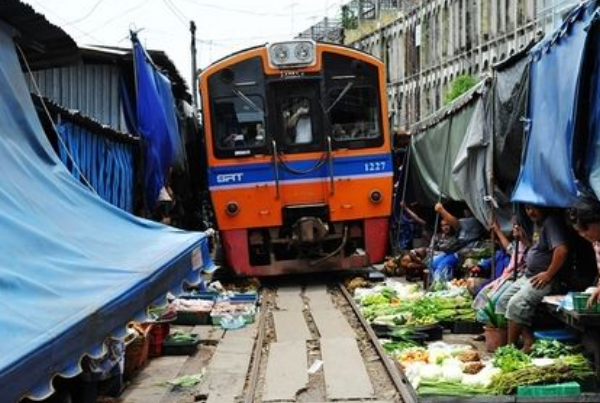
[222,27]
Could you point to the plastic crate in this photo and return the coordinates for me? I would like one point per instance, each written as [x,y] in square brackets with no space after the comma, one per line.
[157,335]
[243,298]
[580,303]
[555,390]
[207,296]
[467,327]
[171,347]
[192,318]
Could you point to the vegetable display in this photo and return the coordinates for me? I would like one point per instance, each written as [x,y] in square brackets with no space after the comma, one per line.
[442,369]
[570,368]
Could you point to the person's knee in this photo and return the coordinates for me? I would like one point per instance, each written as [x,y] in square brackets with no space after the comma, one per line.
[520,309]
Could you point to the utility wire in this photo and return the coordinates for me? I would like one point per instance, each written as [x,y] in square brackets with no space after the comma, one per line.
[89,13]
[247,11]
[176,12]
[121,15]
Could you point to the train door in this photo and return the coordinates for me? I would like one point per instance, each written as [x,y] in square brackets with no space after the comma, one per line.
[297,119]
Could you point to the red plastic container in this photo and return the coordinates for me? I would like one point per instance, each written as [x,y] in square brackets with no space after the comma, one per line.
[157,336]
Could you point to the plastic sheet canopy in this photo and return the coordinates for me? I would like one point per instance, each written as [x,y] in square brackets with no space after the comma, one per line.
[547,177]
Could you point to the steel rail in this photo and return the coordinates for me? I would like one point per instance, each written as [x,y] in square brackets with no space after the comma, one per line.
[257,355]
[398,378]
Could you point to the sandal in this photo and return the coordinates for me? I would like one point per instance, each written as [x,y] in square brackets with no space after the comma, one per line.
[479,337]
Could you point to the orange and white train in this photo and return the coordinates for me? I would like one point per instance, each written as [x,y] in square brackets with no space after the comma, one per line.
[299,157]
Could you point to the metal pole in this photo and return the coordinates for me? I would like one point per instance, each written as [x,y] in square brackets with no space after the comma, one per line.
[194,66]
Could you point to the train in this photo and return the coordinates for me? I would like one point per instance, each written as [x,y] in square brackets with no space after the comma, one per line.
[299,158]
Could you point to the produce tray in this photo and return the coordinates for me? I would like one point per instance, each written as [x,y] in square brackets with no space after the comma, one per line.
[555,390]
[467,327]
[580,303]
[181,347]
[216,319]
[244,298]
[207,296]
[434,331]
[192,318]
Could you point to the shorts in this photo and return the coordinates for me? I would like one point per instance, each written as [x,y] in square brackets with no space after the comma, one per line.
[519,302]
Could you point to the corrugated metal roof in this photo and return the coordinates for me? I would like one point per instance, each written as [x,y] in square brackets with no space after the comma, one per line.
[160,59]
[84,121]
[44,44]
[92,89]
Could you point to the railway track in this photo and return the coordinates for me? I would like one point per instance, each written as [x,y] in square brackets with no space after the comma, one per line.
[308,343]
[313,346]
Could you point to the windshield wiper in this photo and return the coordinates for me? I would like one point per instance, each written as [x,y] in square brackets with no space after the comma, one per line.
[247,100]
[342,94]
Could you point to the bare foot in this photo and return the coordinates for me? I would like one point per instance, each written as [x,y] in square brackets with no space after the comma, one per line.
[527,348]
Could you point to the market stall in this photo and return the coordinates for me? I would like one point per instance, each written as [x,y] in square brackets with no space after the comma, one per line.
[75,269]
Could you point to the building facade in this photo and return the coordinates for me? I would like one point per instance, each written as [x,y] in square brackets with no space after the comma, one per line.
[428,44]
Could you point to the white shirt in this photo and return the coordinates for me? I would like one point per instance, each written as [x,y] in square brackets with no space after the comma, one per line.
[303,130]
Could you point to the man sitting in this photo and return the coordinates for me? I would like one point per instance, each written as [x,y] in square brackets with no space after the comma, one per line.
[543,261]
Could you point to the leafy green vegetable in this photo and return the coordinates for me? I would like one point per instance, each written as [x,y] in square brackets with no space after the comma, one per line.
[187,381]
[509,358]
[551,349]
[374,299]
[388,293]
[394,347]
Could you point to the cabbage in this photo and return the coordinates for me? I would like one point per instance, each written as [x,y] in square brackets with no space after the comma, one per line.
[430,372]
[452,372]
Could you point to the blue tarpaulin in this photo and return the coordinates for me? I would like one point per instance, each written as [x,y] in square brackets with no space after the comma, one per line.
[107,165]
[547,177]
[157,123]
[590,109]
[73,268]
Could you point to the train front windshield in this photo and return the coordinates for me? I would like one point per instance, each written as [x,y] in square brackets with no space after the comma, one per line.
[251,111]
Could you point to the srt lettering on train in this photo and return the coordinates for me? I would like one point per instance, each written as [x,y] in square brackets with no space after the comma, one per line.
[229,178]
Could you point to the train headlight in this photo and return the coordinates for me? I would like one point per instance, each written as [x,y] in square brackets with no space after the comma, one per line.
[375,196]
[303,52]
[297,53]
[280,53]
[232,208]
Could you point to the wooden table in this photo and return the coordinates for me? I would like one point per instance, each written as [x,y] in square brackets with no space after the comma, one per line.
[589,326]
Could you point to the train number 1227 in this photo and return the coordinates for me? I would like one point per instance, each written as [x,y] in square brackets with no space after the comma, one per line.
[375,166]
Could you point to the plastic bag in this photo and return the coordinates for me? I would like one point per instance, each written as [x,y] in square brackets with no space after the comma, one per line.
[231,322]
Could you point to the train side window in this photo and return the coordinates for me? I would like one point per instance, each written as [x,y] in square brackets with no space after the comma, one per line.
[239,125]
[355,114]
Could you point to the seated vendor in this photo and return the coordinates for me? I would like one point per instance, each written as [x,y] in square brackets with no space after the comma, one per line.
[545,258]
[416,260]
[469,229]
[585,219]
[515,248]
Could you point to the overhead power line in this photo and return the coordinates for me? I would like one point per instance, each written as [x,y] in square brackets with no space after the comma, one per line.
[89,13]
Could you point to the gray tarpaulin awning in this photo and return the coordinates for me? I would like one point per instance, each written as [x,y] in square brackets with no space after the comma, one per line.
[435,145]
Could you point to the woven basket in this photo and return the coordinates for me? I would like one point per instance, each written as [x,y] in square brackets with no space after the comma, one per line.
[136,351]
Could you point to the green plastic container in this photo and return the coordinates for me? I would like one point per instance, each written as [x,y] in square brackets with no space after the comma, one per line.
[554,390]
[192,318]
[580,303]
